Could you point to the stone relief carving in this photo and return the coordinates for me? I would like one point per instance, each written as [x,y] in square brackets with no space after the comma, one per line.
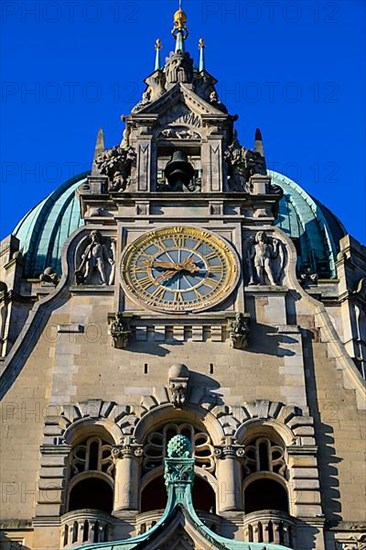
[96,261]
[116,163]
[120,331]
[179,133]
[265,258]
[179,68]
[242,164]
[238,331]
[49,277]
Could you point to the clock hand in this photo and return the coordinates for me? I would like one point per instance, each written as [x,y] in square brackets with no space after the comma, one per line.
[167,275]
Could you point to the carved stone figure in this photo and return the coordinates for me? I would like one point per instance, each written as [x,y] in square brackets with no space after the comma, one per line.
[49,276]
[178,384]
[243,163]
[204,85]
[179,68]
[94,259]
[146,99]
[309,278]
[120,331]
[214,100]
[261,254]
[238,331]
[116,163]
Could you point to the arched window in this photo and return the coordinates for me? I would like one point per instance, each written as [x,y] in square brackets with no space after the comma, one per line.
[265,471]
[264,455]
[265,494]
[91,473]
[156,444]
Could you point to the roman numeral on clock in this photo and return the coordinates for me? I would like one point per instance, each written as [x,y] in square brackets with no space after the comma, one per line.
[178,299]
[144,282]
[158,294]
[179,241]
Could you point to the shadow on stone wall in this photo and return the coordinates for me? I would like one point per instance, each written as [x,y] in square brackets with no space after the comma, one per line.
[260,333]
[7,544]
[327,455]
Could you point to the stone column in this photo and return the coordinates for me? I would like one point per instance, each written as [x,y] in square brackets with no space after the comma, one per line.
[127,459]
[229,477]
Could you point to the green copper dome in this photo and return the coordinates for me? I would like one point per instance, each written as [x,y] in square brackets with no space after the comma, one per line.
[44,230]
[313,228]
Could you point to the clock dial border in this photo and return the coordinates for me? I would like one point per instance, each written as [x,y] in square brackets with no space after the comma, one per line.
[140,271]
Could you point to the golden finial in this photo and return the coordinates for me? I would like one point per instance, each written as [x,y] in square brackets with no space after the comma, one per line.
[180,20]
[201,43]
[158,44]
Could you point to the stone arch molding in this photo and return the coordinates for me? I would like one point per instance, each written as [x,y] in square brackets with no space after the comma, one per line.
[222,421]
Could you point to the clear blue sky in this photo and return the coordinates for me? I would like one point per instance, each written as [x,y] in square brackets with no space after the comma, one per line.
[296,69]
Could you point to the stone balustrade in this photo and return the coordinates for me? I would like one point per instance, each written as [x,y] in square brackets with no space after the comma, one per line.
[270,526]
[84,526]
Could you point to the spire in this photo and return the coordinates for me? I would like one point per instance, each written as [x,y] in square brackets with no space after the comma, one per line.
[180,30]
[201,46]
[157,54]
[99,146]
[258,142]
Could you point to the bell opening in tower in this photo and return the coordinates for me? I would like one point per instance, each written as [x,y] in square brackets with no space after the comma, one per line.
[179,169]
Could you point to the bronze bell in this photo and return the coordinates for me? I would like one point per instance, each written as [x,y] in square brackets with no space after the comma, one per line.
[179,171]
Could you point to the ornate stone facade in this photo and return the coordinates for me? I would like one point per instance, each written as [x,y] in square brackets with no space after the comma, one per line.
[179,310]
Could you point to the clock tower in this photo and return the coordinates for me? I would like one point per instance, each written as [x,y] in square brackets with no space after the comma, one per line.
[188,337]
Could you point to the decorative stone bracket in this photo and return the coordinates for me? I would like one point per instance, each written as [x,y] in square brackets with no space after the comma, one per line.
[178,385]
[120,330]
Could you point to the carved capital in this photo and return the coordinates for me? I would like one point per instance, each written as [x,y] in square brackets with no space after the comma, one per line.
[229,450]
[128,450]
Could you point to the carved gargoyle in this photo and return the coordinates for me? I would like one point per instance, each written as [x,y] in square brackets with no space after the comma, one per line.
[116,163]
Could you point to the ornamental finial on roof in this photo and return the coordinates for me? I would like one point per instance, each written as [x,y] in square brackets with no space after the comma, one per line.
[180,30]
[158,46]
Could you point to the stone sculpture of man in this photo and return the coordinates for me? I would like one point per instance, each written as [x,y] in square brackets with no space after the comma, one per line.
[94,258]
[263,254]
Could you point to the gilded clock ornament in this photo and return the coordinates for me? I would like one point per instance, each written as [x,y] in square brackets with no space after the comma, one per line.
[179,270]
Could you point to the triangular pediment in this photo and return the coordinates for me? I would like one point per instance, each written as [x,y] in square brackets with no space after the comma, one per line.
[181,94]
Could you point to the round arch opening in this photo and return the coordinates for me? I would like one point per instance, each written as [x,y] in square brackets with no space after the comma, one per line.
[92,493]
[265,494]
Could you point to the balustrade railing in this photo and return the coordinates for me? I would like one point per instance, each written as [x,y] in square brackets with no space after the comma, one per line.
[270,526]
[84,526]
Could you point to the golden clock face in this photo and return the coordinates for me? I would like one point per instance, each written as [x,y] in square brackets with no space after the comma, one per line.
[179,269]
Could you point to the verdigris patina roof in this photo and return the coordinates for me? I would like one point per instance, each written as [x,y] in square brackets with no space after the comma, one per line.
[44,230]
